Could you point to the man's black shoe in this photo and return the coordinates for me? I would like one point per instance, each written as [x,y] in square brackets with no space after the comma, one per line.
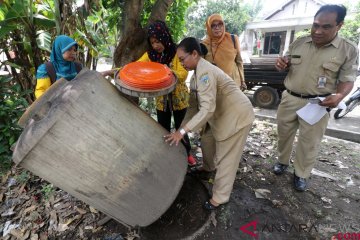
[300,183]
[279,168]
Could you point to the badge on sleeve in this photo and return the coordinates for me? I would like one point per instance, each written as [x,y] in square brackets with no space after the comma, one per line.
[204,79]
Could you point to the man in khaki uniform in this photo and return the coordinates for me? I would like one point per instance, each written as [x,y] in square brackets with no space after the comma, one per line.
[320,65]
[225,108]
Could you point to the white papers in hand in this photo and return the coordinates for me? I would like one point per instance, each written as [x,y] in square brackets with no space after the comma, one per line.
[311,113]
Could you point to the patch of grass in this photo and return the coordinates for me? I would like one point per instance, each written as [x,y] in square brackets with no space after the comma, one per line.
[23,177]
[47,190]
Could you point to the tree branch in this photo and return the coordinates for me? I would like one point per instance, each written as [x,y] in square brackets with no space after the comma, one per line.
[160,10]
[133,35]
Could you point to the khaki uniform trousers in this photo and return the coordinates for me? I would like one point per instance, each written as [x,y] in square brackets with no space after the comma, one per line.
[208,148]
[309,138]
[226,162]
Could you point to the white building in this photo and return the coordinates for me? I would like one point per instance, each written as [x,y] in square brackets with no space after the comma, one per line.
[278,28]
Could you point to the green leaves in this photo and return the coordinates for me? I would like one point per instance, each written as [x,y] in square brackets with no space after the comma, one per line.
[236,14]
[5,30]
[43,22]
[350,29]
[12,105]
[44,40]
[175,18]
[83,40]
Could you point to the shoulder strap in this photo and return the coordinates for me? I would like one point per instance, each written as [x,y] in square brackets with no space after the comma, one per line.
[233,39]
[78,66]
[51,71]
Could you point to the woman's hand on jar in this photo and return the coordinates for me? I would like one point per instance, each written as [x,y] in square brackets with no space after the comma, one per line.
[108,73]
[173,138]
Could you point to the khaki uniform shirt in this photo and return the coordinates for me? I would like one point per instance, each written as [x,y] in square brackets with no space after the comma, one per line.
[336,61]
[220,102]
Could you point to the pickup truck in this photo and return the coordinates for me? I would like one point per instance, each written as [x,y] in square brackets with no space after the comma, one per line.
[267,83]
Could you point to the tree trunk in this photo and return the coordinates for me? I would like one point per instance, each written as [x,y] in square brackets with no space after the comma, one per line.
[160,10]
[133,40]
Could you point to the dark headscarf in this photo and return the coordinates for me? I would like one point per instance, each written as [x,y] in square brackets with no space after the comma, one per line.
[160,31]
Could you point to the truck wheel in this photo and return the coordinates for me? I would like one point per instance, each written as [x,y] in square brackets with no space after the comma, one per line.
[266,97]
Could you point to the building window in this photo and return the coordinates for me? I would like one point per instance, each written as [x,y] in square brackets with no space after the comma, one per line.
[274,42]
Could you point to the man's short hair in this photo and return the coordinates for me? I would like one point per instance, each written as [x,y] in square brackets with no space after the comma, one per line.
[340,11]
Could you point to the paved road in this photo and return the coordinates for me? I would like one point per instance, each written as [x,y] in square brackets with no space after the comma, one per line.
[347,128]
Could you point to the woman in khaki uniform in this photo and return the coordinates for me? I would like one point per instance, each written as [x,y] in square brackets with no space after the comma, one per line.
[225,108]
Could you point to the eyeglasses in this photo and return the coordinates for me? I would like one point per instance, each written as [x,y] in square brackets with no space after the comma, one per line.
[183,59]
[325,27]
[219,25]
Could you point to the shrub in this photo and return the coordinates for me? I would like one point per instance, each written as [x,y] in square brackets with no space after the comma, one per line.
[12,106]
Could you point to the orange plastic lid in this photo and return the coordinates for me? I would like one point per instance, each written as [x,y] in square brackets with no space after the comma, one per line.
[146,75]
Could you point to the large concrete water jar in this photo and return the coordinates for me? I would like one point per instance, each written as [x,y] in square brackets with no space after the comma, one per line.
[87,139]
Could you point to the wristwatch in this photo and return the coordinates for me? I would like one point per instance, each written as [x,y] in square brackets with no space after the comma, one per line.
[182,131]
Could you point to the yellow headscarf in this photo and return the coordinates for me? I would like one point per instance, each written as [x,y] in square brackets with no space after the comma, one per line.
[210,38]
[221,48]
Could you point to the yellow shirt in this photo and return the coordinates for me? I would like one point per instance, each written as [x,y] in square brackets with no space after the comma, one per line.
[42,84]
[180,95]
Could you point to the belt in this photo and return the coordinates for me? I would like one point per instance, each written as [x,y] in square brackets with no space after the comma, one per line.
[306,96]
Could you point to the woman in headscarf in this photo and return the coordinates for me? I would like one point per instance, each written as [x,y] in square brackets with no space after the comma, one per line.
[162,49]
[62,57]
[224,50]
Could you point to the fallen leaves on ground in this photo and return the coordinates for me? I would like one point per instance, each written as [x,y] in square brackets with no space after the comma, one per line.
[32,208]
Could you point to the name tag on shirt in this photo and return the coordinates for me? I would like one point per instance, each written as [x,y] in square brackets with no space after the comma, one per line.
[321,82]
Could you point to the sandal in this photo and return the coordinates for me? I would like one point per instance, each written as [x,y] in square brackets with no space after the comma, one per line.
[209,206]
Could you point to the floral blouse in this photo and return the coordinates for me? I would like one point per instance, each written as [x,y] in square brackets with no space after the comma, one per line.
[180,95]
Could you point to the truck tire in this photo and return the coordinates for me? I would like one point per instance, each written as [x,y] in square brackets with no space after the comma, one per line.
[266,97]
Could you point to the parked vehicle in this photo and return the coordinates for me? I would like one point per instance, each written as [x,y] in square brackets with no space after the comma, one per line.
[351,103]
[268,83]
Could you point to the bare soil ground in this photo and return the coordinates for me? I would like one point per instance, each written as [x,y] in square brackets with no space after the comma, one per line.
[262,205]
[330,207]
